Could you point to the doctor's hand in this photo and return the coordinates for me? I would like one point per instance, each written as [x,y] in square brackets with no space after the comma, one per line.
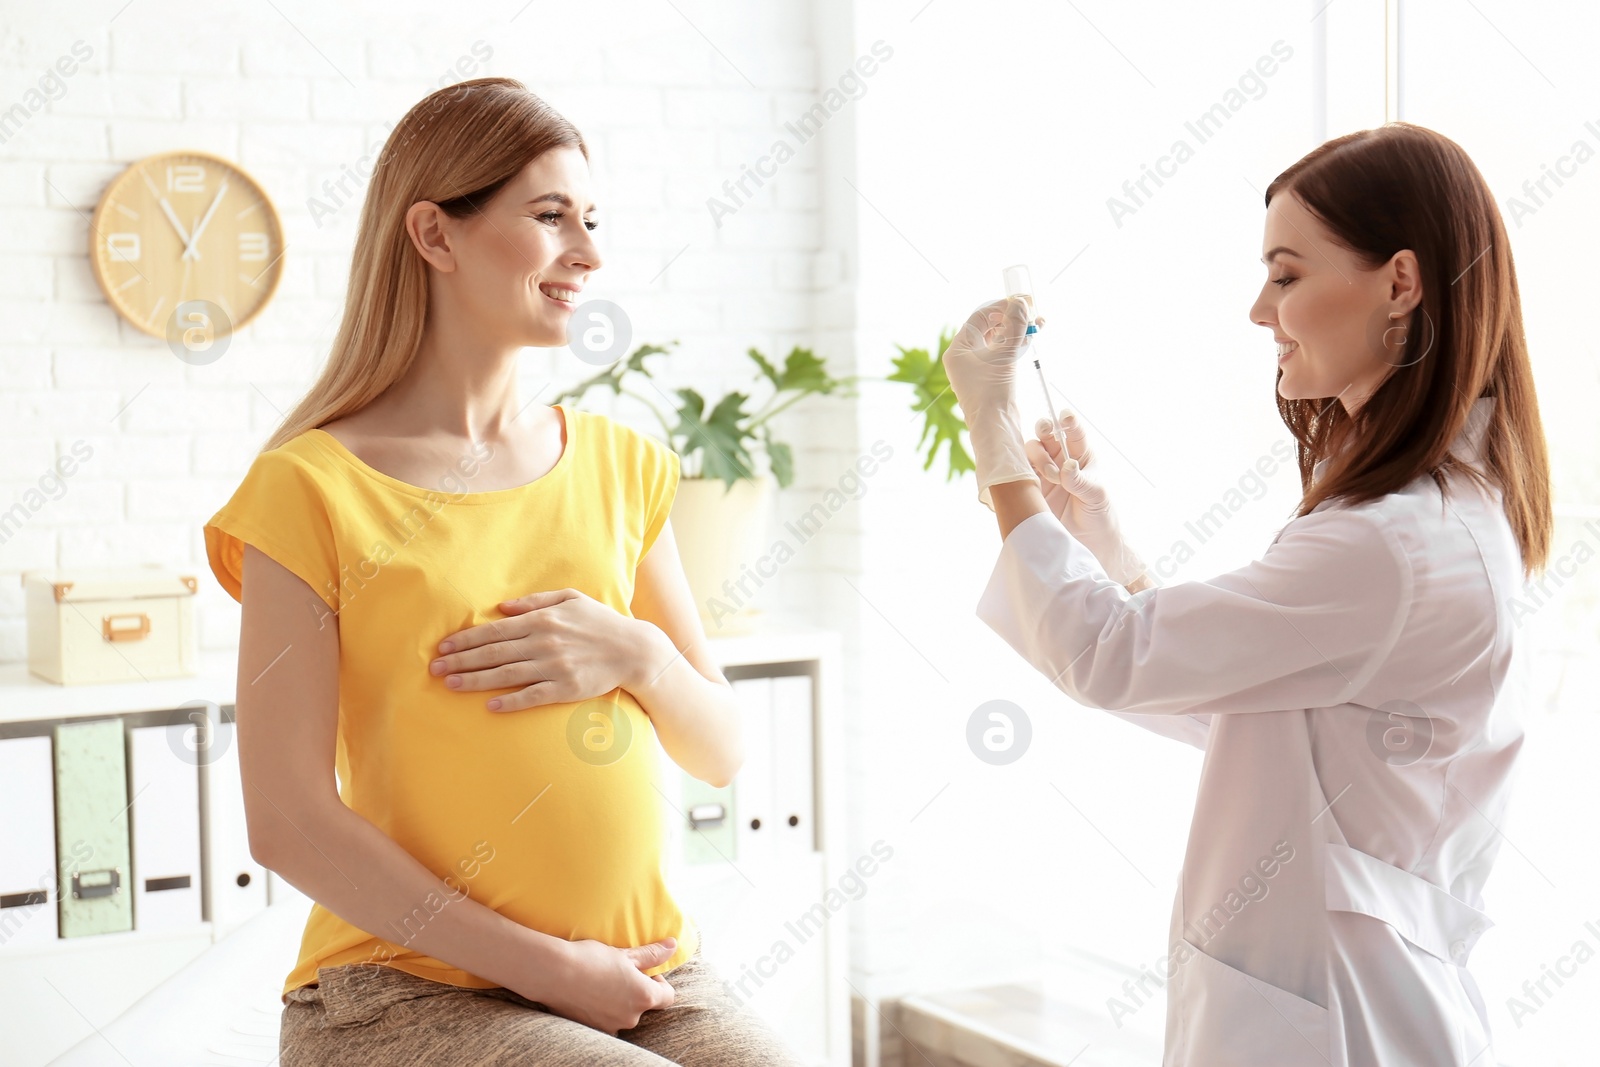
[981,364]
[1079,499]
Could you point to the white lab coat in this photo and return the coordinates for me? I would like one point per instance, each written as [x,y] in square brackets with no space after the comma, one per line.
[1357,699]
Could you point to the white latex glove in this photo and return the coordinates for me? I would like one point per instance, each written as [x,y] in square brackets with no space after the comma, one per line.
[981,364]
[1079,499]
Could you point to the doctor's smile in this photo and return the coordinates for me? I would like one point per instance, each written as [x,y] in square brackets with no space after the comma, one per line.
[559,708]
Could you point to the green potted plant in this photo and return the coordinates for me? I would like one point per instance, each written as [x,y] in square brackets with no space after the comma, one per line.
[723,527]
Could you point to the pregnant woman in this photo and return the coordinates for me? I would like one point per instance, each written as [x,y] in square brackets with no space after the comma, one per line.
[1355,689]
[472,610]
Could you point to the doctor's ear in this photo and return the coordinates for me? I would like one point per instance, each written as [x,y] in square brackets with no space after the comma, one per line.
[1405,285]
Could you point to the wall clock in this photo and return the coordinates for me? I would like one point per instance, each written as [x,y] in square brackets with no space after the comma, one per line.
[186,243]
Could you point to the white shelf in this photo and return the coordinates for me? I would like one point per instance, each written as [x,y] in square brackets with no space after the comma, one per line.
[64,946]
[54,999]
[25,697]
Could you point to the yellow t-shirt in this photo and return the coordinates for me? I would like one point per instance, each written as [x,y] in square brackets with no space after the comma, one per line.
[548,815]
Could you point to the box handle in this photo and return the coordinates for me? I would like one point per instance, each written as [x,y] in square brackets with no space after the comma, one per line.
[113,631]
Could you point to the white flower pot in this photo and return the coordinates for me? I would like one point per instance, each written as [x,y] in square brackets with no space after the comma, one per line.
[722,536]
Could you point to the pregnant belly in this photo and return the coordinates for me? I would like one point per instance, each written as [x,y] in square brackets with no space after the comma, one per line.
[558,805]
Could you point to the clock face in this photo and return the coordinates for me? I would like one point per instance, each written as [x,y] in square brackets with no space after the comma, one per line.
[183,227]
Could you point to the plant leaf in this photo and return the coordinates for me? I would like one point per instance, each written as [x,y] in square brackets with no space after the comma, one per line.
[937,402]
[768,371]
[717,437]
[612,376]
[802,370]
[782,457]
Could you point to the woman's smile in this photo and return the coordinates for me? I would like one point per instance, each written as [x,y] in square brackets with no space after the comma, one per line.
[559,294]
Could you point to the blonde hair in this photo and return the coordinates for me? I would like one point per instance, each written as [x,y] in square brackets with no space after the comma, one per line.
[457,147]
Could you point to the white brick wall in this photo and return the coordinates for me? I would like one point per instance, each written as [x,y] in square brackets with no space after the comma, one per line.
[298,98]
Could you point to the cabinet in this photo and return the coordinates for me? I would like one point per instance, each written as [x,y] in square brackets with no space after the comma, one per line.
[759,862]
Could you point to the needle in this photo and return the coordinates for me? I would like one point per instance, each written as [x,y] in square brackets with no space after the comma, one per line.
[1018,283]
[1049,404]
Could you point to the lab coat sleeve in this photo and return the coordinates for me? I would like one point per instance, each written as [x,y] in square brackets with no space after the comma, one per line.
[1305,626]
[1190,729]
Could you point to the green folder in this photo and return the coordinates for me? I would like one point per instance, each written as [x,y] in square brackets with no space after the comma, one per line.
[708,837]
[92,828]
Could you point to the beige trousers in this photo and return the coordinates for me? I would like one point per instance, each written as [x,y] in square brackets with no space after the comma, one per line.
[369,1014]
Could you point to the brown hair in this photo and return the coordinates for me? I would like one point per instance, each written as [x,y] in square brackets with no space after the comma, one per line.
[1403,186]
[456,147]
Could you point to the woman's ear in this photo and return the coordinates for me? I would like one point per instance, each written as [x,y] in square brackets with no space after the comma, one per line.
[1406,286]
[430,232]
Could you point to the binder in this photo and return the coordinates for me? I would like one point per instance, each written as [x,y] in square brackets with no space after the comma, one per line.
[709,833]
[165,777]
[752,786]
[27,842]
[235,885]
[793,765]
[92,828]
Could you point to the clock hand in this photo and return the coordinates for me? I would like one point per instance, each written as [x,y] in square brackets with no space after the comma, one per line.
[193,241]
[166,209]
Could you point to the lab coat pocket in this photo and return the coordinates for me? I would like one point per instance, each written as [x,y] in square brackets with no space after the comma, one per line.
[1231,1019]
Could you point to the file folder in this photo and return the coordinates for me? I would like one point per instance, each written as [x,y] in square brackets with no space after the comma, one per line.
[164,772]
[92,828]
[235,884]
[752,786]
[27,842]
[793,765]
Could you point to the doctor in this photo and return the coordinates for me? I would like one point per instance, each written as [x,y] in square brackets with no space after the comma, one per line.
[1355,689]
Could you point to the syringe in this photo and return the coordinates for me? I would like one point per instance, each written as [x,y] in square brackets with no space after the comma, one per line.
[1018,282]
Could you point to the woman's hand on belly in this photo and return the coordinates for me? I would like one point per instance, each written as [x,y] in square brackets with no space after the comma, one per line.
[559,646]
[606,988]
